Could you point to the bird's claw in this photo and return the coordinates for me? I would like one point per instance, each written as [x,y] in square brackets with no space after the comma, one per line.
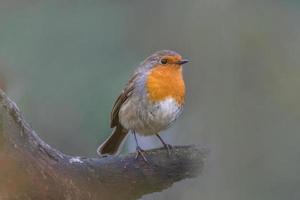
[169,148]
[140,152]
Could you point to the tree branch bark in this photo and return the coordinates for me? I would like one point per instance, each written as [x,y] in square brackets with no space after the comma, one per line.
[31,169]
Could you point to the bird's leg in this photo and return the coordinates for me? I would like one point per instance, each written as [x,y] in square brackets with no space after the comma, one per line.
[139,150]
[167,146]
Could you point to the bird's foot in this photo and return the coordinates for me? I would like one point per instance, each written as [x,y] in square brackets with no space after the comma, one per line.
[140,152]
[169,148]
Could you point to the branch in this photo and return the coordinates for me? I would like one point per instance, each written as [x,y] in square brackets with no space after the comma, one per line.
[31,169]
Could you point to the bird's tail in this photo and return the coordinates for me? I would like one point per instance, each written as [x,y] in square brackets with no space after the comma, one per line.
[111,145]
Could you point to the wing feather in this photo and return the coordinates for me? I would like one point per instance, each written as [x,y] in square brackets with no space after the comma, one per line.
[126,93]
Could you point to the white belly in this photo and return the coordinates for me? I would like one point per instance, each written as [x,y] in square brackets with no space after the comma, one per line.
[148,119]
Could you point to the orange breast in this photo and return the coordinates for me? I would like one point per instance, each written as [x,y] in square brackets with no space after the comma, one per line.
[164,82]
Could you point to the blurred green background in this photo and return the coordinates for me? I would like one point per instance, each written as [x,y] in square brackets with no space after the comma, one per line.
[64,62]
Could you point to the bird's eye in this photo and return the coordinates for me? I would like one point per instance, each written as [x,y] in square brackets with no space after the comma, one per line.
[163,61]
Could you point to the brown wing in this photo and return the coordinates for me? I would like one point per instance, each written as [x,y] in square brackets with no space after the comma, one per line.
[126,93]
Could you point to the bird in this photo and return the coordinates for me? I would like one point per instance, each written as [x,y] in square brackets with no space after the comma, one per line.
[151,101]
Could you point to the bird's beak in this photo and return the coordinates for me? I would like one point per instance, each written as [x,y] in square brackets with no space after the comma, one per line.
[181,62]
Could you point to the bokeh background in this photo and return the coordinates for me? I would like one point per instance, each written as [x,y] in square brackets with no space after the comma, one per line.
[64,62]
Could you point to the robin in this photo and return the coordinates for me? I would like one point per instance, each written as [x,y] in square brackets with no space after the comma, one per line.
[151,101]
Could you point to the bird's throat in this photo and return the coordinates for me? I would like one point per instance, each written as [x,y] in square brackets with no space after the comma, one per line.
[164,82]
